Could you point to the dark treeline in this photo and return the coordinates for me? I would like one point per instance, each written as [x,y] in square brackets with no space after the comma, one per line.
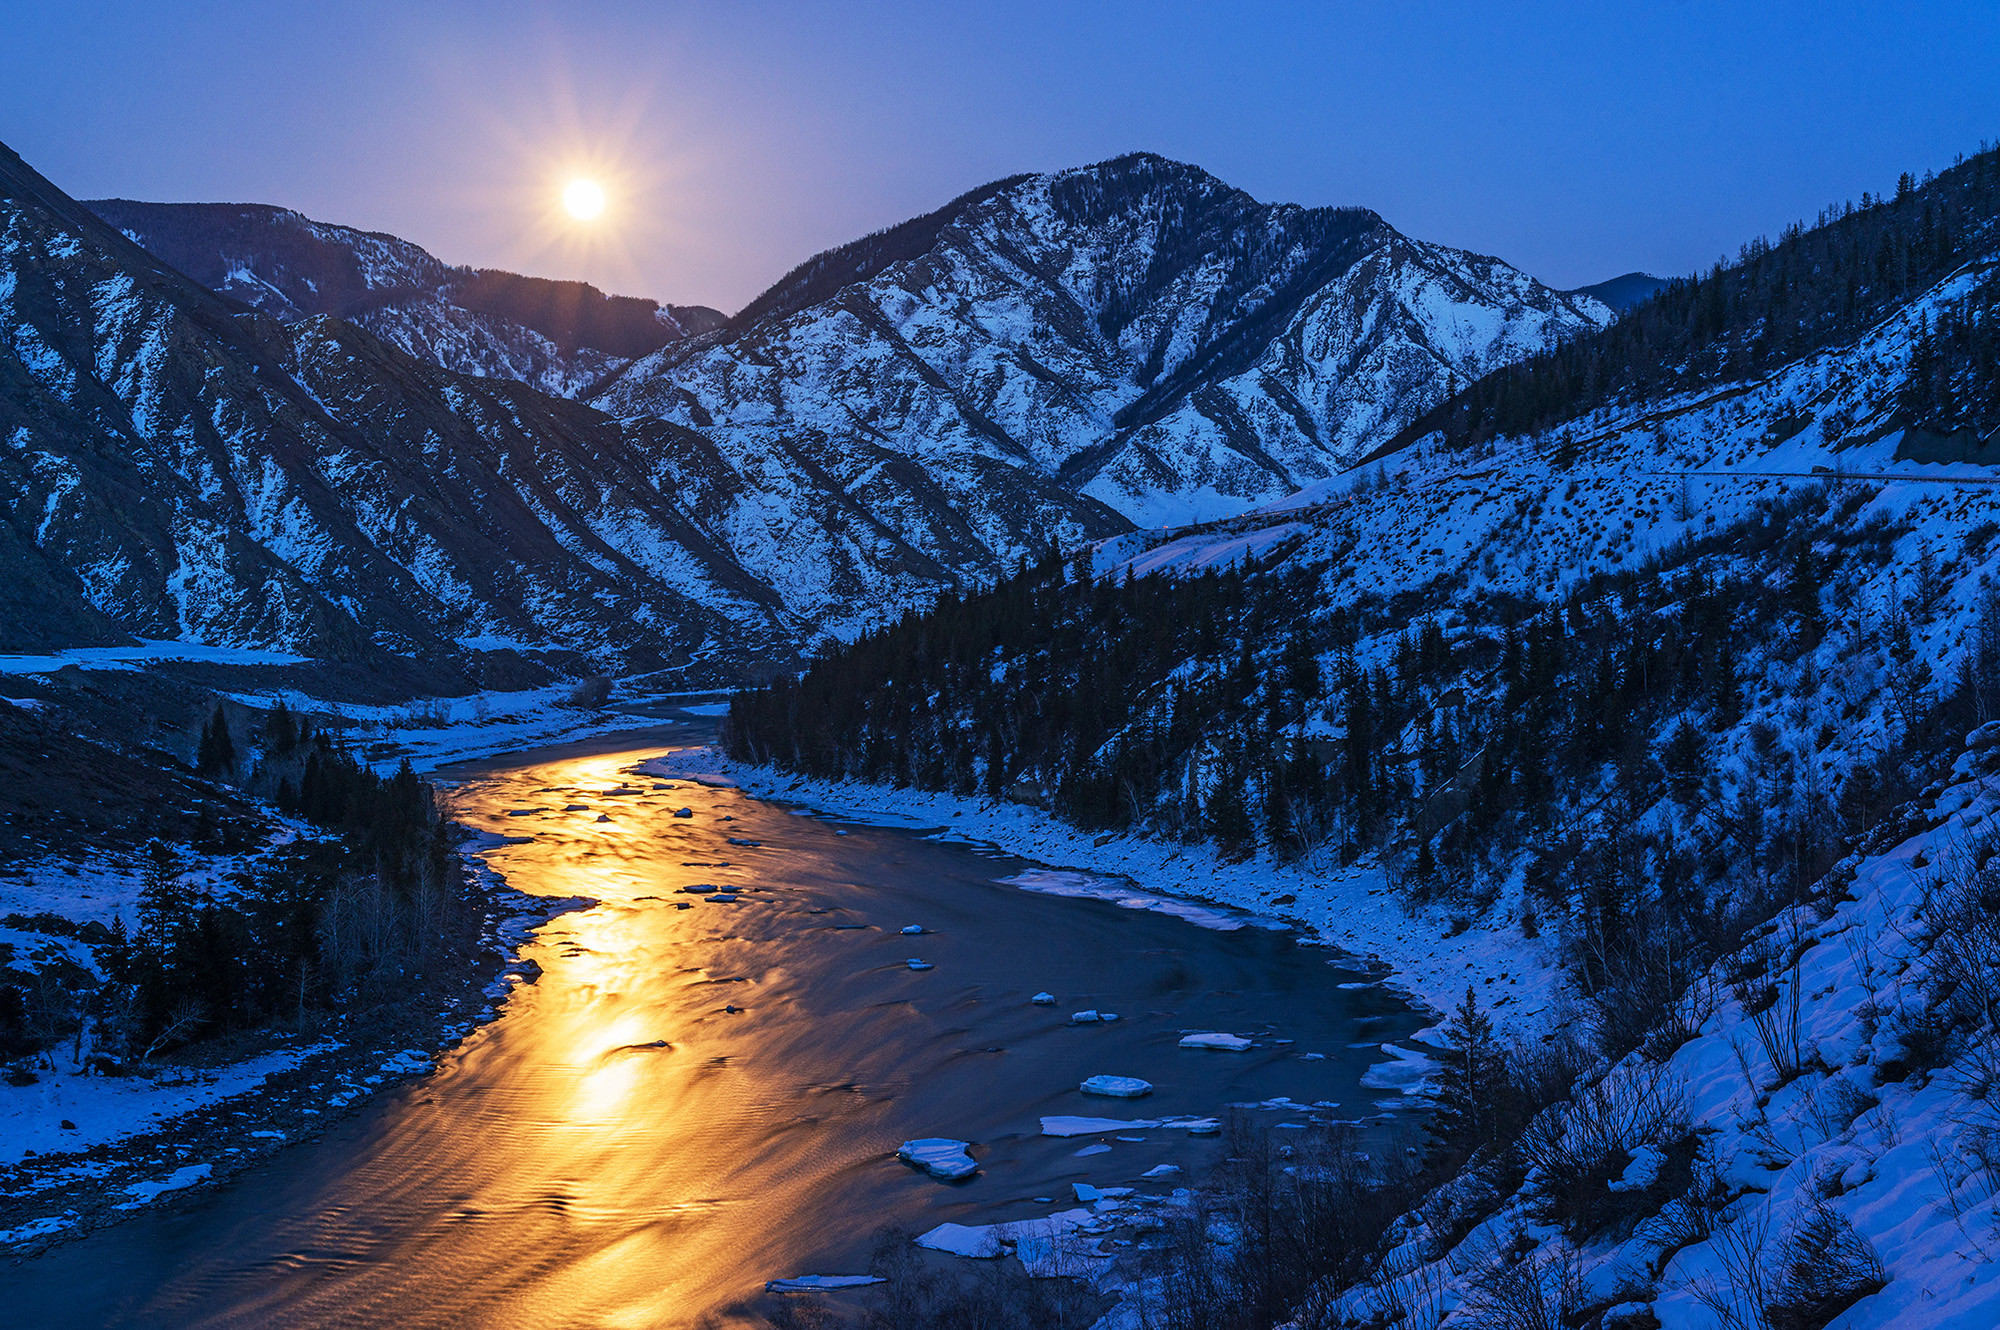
[358,913]
[1814,287]
[1579,740]
[1954,378]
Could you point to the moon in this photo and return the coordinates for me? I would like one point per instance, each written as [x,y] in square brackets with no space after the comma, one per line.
[584,199]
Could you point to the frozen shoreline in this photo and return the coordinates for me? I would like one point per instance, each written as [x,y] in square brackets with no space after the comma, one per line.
[86,1150]
[1354,909]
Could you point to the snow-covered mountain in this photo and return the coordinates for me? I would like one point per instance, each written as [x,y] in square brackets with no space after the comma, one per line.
[1134,331]
[180,467]
[1641,703]
[328,442]
[559,337]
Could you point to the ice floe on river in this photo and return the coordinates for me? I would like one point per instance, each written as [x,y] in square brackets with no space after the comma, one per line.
[1117,1087]
[939,1156]
[1235,1043]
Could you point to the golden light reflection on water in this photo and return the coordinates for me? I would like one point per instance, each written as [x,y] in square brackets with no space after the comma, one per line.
[565,1167]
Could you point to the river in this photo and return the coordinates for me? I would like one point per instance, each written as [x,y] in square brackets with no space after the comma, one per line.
[693,1100]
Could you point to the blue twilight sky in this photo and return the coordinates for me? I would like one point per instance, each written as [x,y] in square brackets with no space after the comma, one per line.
[1576,140]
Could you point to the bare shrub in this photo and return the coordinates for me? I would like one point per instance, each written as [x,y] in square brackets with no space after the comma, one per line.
[1303,1220]
[1822,1268]
[1961,916]
[996,1295]
[1577,1150]
[1738,1296]
[1773,1004]
[1539,1290]
[1818,1269]
[1543,1072]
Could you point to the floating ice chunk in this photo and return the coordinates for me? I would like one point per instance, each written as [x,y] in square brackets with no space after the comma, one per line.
[1404,1073]
[1363,984]
[1202,1126]
[739,840]
[913,929]
[939,1157]
[604,817]
[1064,1125]
[684,812]
[980,1241]
[1084,1018]
[700,888]
[1099,1149]
[1233,1042]
[722,898]
[1313,1057]
[916,964]
[1162,1171]
[1117,1087]
[1043,999]
[1131,1140]
[815,1283]
[1032,1237]
[1085,1192]
[575,808]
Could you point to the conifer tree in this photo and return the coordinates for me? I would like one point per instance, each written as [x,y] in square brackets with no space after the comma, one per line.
[216,754]
[1470,1093]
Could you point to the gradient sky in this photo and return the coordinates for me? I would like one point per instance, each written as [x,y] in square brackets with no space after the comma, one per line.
[1577,141]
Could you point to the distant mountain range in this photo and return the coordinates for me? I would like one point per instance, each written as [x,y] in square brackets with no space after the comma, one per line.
[234,424]
[556,336]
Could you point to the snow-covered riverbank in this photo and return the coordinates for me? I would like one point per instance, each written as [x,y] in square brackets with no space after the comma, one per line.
[79,1148]
[1428,956]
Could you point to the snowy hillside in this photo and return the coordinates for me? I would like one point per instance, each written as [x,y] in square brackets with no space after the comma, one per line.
[1657,736]
[179,468]
[1136,331]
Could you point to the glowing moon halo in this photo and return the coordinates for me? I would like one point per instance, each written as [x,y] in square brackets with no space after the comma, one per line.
[583,199]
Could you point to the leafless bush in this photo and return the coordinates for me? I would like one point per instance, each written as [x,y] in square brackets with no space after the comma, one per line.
[1773,1004]
[1737,1296]
[1577,1149]
[1682,1019]
[997,1295]
[1545,1071]
[1541,1290]
[1276,1230]
[1816,1271]
[1822,1268]
[1835,1103]
[1961,915]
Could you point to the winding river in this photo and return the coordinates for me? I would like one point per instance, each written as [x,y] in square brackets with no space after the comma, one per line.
[699,1096]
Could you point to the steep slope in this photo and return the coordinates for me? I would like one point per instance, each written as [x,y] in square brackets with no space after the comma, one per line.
[1602,724]
[556,336]
[1136,331]
[180,467]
